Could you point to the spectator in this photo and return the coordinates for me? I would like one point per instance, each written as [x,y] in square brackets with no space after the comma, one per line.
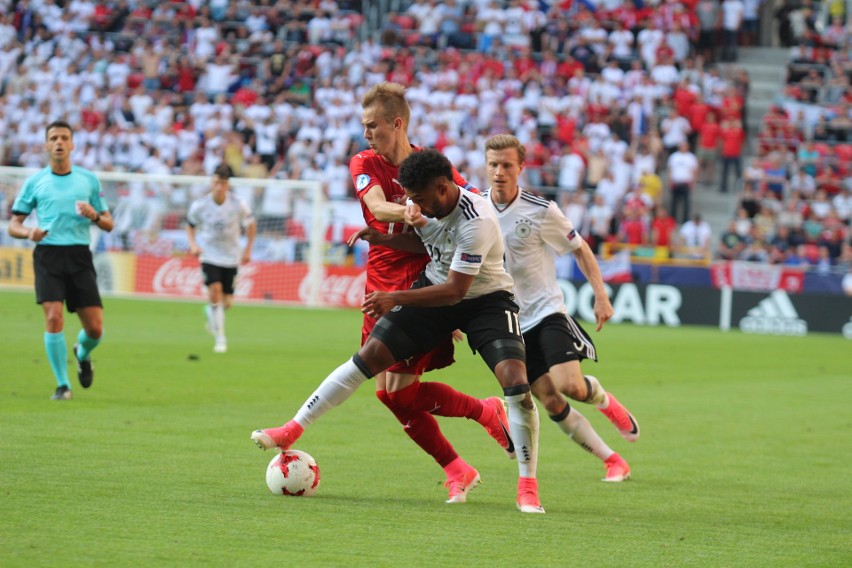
[731,243]
[733,139]
[732,19]
[682,174]
[694,236]
[663,228]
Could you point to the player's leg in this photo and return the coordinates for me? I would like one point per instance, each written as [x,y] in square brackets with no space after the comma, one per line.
[565,344]
[523,426]
[50,288]
[89,337]
[55,347]
[224,295]
[406,390]
[424,430]
[84,299]
[493,330]
[570,381]
[578,428]
[373,357]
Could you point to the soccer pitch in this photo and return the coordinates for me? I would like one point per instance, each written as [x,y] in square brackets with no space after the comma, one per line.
[740,462]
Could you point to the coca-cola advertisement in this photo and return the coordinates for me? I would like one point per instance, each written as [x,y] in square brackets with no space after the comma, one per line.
[339,286]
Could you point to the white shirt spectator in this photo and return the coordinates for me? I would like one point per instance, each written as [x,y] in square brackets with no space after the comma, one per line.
[649,40]
[683,167]
[675,130]
[205,41]
[117,72]
[140,102]
[219,76]
[665,74]
[695,233]
[622,43]
[732,14]
[571,172]
[611,193]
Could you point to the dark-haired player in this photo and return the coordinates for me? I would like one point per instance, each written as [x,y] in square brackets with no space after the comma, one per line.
[464,287]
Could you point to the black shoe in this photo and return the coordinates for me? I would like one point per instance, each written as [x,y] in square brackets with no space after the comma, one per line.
[85,371]
[62,393]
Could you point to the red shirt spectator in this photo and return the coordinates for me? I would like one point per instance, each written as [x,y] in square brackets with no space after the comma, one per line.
[709,134]
[733,138]
[568,67]
[662,228]
[684,100]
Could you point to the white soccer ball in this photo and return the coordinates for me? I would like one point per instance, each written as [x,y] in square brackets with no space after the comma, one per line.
[293,473]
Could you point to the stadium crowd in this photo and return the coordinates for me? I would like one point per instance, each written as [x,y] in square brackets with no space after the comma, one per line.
[625,107]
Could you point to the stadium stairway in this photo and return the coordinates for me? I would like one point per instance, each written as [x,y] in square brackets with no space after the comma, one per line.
[766,67]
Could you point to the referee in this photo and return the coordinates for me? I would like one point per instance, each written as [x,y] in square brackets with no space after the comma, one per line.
[67,201]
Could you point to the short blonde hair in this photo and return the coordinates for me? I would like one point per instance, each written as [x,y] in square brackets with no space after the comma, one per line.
[504,142]
[391,100]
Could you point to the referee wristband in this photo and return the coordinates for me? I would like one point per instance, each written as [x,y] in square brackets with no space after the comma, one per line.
[96,219]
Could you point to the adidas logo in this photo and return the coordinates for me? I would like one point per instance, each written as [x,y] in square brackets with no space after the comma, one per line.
[774,315]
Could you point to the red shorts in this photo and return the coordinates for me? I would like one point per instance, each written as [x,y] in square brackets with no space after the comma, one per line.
[438,358]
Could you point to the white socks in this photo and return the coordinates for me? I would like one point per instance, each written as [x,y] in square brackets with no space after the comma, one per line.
[581,431]
[523,427]
[333,391]
[597,394]
[219,320]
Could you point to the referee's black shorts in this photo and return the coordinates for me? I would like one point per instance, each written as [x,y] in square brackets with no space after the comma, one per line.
[66,274]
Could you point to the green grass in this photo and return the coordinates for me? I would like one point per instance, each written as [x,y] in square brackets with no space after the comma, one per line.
[743,460]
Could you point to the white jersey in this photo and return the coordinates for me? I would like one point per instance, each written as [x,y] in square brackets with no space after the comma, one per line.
[218,228]
[535,231]
[468,241]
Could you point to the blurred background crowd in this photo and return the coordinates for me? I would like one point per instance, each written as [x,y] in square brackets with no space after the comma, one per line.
[628,108]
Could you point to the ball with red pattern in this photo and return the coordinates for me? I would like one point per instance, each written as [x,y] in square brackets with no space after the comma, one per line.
[294,473]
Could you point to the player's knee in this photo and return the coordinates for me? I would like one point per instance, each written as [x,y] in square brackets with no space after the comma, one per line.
[383,396]
[500,350]
[405,397]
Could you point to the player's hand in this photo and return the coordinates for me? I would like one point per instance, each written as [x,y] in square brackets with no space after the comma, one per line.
[85,209]
[377,304]
[194,250]
[246,258]
[366,234]
[458,336]
[413,216]
[603,312]
[37,234]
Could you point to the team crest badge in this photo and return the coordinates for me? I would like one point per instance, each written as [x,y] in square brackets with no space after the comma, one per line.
[522,229]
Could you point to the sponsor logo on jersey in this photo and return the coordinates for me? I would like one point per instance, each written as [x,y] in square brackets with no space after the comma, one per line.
[471,258]
[361,181]
[774,315]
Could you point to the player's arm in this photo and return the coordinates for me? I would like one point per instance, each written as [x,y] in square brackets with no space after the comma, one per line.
[251,233]
[559,234]
[17,229]
[382,209]
[194,250]
[104,221]
[591,270]
[449,293]
[408,242]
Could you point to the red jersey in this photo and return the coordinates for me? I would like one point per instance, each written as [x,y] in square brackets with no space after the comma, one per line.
[390,269]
